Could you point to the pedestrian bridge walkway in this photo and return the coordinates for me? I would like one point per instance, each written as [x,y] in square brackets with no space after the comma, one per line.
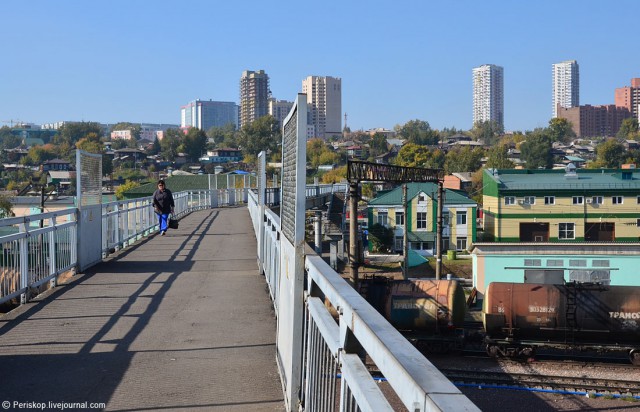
[182,321]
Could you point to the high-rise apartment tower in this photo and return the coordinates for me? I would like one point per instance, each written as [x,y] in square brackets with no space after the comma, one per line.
[629,97]
[566,85]
[324,99]
[254,96]
[488,94]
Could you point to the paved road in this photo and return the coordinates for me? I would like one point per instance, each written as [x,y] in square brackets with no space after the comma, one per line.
[182,321]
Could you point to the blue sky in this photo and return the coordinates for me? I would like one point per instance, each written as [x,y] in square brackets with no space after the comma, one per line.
[140,60]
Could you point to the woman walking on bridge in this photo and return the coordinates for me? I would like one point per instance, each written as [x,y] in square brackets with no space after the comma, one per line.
[163,205]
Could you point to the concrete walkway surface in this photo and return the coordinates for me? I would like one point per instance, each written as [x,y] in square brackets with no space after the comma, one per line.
[176,322]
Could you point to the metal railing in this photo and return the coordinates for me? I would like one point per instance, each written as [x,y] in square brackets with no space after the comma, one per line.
[35,250]
[38,248]
[332,349]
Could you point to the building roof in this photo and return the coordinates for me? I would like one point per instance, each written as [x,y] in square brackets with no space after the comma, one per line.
[62,174]
[175,184]
[55,161]
[394,197]
[587,179]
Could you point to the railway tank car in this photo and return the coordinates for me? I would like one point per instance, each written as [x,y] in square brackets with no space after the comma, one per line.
[518,317]
[426,310]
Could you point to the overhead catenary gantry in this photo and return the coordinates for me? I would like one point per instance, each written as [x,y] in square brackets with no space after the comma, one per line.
[358,171]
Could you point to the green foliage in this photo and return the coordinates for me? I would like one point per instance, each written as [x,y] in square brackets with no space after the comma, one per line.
[610,154]
[170,143]
[6,207]
[318,153]
[71,133]
[7,139]
[107,165]
[261,134]
[38,155]
[155,148]
[418,132]
[487,132]
[463,159]
[536,150]
[560,130]
[381,238]
[223,137]
[128,185]
[194,144]
[498,157]
[135,129]
[413,155]
[90,143]
[335,175]
[628,129]
[378,145]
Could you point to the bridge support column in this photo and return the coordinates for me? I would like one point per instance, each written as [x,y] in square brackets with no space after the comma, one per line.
[318,232]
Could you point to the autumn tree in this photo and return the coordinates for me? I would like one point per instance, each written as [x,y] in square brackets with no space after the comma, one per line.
[463,159]
[560,130]
[418,132]
[609,154]
[629,129]
[498,157]
[70,133]
[413,155]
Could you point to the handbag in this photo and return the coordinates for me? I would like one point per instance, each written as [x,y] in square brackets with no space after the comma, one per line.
[173,223]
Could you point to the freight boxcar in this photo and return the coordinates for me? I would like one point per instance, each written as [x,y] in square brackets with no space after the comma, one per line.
[518,317]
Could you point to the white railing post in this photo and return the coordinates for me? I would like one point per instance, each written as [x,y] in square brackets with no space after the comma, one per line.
[24,261]
[52,253]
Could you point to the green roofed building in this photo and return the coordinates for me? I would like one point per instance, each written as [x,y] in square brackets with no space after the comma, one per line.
[459,217]
[571,205]
[181,183]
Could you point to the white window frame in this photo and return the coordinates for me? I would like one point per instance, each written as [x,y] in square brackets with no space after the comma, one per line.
[423,221]
[597,200]
[383,218]
[529,200]
[459,242]
[509,200]
[638,200]
[399,213]
[566,230]
[549,200]
[577,200]
[617,200]
[461,215]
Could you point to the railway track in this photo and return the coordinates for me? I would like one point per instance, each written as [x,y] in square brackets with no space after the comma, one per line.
[593,386]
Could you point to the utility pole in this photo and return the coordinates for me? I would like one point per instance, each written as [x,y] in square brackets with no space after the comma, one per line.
[405,240]
[439,232]
[354,256]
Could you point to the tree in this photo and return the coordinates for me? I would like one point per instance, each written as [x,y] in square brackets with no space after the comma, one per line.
[71,133]
[223,137]
[170,143]
[128,185]
[463,159]
[194,144]
[536,152]
[318,153]
[7,139]
[413,155]
[487,132]
[381,238]
[133,127]
[498,157]
[418,132]
[378,145]
[261,134]
[107,165]
[335,176]
[91,143]
[6,207]
[628,129]
[38,155]
[155,148]
[560,130]
[610,154]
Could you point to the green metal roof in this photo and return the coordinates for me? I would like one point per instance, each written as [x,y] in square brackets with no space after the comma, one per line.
[394,197]
[415,259]
[173,183]
[584,179]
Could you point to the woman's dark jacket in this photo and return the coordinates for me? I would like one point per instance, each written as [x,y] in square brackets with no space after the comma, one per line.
[163,201]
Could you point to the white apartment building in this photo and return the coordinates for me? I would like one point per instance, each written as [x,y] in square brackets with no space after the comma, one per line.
[324,99]
[566,85]
[279,109]
[488,94]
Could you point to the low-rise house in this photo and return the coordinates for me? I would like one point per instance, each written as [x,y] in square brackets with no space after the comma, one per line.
[570,205]
[226,155]
[55,164]
[459,223]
